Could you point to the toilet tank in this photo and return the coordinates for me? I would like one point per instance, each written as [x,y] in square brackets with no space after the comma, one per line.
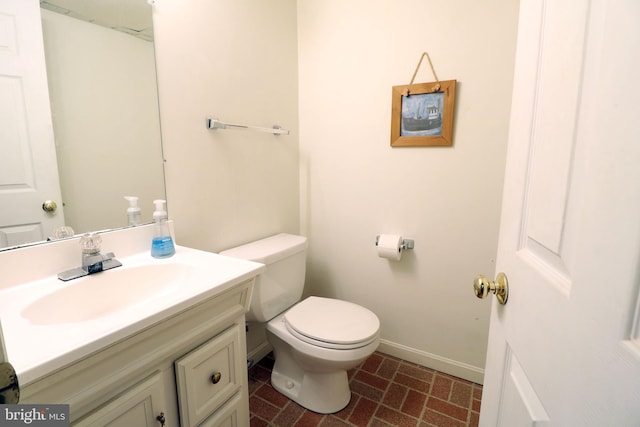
[280,285]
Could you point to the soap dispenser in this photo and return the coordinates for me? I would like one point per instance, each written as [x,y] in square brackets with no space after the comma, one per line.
[133,211]
[162,244]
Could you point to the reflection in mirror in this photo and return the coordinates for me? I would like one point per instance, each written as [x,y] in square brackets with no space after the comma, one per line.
[100,69]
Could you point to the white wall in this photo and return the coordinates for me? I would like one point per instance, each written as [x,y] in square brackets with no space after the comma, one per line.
[105,115]
[244,62]
[355,186]
[235,60]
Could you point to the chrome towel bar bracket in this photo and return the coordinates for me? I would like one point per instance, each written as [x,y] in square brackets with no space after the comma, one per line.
[217,124]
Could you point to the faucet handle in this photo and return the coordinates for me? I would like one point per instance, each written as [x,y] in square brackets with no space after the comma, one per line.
[90,243]
[62,232]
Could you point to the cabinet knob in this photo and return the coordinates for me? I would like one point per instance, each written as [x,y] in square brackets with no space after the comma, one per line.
[215,378]
[161,418]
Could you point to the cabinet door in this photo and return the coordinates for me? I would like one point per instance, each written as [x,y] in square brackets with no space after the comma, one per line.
[138,406]
[209,375]
[234,413]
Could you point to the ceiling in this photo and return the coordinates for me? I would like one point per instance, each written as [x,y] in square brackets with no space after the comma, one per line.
[129,16]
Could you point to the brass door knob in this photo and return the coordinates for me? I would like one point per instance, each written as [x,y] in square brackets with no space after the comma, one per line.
[482,286]
[215,377]
[49,206]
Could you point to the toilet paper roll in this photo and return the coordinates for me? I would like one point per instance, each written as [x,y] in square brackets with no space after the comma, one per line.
[389,246]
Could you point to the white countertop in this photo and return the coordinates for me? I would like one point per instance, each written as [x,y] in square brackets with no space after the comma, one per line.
[36,348]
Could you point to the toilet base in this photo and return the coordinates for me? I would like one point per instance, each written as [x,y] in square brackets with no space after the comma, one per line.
[314,377]
[322,392]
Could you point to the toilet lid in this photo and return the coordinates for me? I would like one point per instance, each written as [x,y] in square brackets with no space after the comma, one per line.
[332,323]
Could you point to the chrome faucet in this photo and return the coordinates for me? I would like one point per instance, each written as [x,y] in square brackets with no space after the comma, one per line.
[92,260]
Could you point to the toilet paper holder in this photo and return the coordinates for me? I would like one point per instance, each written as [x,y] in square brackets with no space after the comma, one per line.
[406,243]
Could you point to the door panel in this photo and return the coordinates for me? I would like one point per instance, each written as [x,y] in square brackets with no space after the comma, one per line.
[519,403]
[560,42]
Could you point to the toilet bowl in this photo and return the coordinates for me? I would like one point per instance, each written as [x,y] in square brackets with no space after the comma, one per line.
[313,350]
[314,341]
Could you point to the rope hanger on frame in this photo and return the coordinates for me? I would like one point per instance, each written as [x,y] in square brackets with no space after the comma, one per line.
[435,87]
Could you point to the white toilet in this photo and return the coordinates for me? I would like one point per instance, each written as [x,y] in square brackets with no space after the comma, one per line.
[315,341]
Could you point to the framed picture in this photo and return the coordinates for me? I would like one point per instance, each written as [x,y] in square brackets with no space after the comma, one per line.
[422,114]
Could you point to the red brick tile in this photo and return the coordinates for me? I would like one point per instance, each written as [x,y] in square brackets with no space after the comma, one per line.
[475,405]
[440,420]
[271,395]
[258,422]
[363,412]
[388,356]
[415,371]
[378,423]
[365,390]
[254,386]
[372,363]
[351,373]
[346,411]
[309,419]
[441,387]
[395,418]
[386,392]
[388,368]
[262,408]
[447,408]
[412,382]
[372,380]
[394,397]
[259,373]
[331,421]
[289,415]
[414,403]
[477,391]
[461,393]
[474,419]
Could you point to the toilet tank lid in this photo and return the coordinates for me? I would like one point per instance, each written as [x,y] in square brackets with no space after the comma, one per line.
[270,249]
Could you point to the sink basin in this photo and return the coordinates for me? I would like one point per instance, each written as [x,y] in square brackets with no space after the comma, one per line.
[47,324]
[104,293]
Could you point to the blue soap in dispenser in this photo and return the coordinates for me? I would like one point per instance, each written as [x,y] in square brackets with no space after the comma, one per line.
[162,244]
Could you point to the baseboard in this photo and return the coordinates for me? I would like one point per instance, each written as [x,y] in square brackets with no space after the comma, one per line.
[258,353]
[439,363]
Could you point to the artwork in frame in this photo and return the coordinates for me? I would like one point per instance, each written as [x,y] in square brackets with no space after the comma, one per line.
[422,114]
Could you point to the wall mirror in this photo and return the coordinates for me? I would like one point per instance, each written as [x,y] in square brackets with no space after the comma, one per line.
[101,81]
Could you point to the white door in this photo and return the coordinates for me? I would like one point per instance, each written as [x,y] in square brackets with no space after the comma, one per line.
[28,166]
[565,348]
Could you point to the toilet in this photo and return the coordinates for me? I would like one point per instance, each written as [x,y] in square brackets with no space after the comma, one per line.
[316,340]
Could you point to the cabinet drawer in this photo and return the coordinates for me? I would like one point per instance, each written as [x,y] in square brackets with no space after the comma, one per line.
[209,375]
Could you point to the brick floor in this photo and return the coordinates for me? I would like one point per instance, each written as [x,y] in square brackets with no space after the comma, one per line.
[385,391]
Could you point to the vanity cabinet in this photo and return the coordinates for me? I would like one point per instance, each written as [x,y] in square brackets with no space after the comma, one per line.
[187,370]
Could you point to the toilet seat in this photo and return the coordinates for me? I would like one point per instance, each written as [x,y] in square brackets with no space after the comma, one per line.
[332,323]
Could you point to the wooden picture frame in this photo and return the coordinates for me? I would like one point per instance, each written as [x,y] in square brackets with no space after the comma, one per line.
[422,114]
